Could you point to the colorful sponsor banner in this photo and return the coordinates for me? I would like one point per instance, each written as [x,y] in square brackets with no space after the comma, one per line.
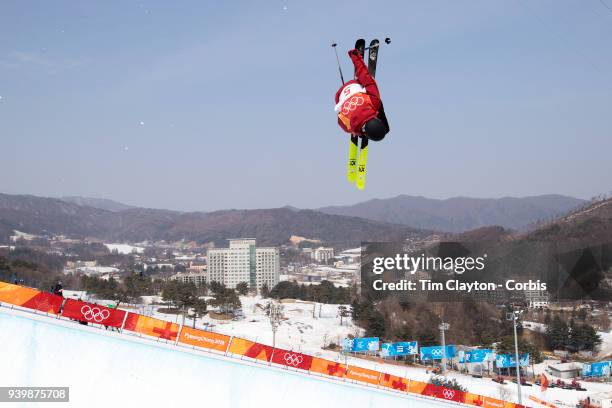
[204,339]
[151,327]
[600,369]
[435,352]
[450,394]
[334,369]
[474,399]
[250,349]
[475,356]
[393,381]
[416,387]
[493,403]
[360,344]
[363,375]
[292,359]
[403,348]
[509,360]
[30,298]
[89,312]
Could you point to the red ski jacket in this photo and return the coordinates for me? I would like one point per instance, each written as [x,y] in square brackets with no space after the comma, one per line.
[358,100]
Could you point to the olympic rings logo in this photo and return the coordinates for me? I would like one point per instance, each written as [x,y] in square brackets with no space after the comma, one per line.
[293,359]
[448,394]
[352,104]
[436,352]
[94,313]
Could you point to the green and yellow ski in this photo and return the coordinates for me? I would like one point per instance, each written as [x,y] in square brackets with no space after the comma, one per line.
[361,164]
[351,174]
[358,155]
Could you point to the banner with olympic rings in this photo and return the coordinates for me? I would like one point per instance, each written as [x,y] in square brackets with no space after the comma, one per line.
[92,313]
[450,394]
[292,359]
[30,298]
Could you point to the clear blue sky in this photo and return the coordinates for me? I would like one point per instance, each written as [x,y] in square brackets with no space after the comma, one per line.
[202,105]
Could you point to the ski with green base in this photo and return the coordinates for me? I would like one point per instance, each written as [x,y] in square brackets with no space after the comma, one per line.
[358,155]
[361,164]
[351,173]
[363,150]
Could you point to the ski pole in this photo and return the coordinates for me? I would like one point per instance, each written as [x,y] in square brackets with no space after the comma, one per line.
[338,60]
[387,41]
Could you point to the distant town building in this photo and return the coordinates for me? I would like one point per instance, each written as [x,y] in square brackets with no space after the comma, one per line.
[323,254]
[197,278]
[536,298]
[242,261]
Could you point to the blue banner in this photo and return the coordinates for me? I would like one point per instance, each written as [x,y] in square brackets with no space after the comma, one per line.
[435,352]
[360,344]
[509,360]
[476,356]
[403,348]
[600,369]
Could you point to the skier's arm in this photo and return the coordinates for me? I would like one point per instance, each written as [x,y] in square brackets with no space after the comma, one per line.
[364,77]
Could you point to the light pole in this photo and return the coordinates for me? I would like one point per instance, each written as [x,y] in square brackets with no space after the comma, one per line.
[514,317]
[275,316]
[443,327]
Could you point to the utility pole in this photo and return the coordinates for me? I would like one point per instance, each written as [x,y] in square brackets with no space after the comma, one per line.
[443,327]
[514,317]
[276,312]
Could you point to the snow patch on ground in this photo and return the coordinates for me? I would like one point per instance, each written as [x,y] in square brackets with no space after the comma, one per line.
[124,249]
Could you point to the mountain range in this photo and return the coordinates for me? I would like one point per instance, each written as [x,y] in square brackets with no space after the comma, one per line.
[375,220]
[41,215]
[460,213]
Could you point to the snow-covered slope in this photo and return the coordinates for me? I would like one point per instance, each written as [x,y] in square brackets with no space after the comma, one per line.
[106,369]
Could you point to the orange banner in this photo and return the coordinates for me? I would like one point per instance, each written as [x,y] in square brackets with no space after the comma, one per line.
[416,387]
[204,339]
[250,349]
[30,298]
[393,381]
[363,375]
[493,403]
[152,327]
[474,399]
[320,365]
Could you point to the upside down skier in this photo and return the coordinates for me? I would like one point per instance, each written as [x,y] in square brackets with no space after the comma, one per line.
[358,105]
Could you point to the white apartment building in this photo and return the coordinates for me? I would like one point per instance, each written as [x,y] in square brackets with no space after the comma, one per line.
[197,278]
[323,254]
[242,261]
[536,298]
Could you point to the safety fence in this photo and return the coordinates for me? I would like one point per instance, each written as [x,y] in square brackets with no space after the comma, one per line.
[232,346]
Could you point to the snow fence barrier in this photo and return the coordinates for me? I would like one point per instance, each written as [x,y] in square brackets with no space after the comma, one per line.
[160,329]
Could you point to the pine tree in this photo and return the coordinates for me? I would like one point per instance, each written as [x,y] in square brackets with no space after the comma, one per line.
[242,288]
[557,334]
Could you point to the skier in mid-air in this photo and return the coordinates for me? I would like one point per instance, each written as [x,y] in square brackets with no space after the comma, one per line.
[358,105]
